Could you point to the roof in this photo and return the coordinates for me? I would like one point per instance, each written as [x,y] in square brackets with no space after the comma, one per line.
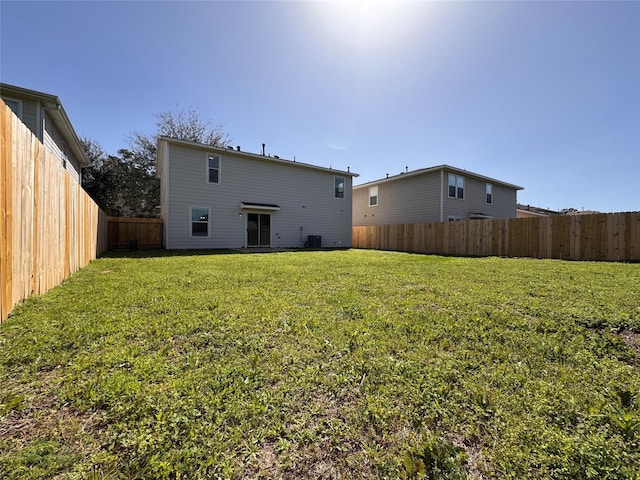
[537,211]
[230,151]
[59,116]
[447,168]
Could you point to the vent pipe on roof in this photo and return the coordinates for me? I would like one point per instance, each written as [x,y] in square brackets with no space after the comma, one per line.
[348,171]
[406,169]
[263,145]
[387,175]
[238,147]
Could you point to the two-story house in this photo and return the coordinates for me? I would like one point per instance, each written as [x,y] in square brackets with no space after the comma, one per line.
[45,116]
[213,197]
[437,194]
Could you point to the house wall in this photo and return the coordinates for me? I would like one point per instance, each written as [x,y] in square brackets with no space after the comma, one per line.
[41,125]
[53,140]
[29,115]
[412,199]
[305,196]
[416,199]
[474,201]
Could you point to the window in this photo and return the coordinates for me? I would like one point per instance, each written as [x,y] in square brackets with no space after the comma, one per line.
[213,168]
[338,187]
[373,196]
[454,219]
[489,190]
[456,186]
[15,106]
[199,222]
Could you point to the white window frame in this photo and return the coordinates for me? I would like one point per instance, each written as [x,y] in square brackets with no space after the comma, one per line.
[209,157]
[191,222]
[458,184]
[18,102]
[488,193]
[374,195]
[335,186]
[453,219]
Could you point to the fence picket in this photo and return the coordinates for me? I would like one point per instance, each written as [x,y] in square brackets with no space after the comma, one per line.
[45,230]
[611,236]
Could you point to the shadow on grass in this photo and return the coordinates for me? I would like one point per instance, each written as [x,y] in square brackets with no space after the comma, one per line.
[195,253]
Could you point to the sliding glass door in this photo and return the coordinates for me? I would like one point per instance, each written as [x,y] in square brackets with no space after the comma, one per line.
[258,230]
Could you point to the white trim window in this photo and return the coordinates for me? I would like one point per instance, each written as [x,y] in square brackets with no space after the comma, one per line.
[200,220]
[454,219]
[213,168]
[489,193]
[338,187]
[15,106]
[373,196]
[456,186]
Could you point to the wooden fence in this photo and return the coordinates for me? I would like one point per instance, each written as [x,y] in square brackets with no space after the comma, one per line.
[135,233]
[49,226]
[602,237]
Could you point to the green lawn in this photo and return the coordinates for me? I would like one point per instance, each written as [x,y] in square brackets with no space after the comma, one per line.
[330,364]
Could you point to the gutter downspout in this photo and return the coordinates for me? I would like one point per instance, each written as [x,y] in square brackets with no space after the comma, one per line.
[442,195]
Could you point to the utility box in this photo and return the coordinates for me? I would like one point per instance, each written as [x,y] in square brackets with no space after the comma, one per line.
[314,241]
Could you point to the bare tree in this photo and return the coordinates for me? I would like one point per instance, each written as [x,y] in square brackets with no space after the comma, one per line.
[125,184]
[183,125]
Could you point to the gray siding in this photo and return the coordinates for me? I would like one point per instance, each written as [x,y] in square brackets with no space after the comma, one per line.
[305,196]
[417,199]
[28,115]
[475,200]
[53,140]
[412,199]
[41,125]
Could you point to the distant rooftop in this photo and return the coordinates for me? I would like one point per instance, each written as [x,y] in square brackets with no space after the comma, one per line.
[444,167]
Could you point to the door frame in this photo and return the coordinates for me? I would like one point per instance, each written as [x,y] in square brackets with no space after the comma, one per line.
[259,214]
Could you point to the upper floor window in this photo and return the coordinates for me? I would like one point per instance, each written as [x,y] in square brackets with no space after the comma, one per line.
[489,190]
[456,186]
[15,106]
[213,168]
[373,196]
[338,183]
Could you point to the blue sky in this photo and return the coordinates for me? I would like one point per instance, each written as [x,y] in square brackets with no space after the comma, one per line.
[545,95]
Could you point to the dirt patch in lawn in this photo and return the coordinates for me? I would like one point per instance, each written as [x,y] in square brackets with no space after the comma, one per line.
[632,339]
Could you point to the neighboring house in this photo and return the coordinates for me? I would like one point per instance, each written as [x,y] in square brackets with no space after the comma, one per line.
[528,211]
[573,211]
[436,194]
[44,115]
[213,197]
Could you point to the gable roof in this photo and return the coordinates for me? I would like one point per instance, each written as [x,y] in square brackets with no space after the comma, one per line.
[444,167]
[59,116]
[230,151]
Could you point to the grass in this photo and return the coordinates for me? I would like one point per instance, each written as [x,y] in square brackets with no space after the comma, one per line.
[330,364]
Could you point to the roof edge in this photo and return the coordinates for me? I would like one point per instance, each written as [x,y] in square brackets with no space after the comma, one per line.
[256,156]
[443,167]
[54,105]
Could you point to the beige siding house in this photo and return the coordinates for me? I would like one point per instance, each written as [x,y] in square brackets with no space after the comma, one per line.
[45,116]
[226,198]
[436,194]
